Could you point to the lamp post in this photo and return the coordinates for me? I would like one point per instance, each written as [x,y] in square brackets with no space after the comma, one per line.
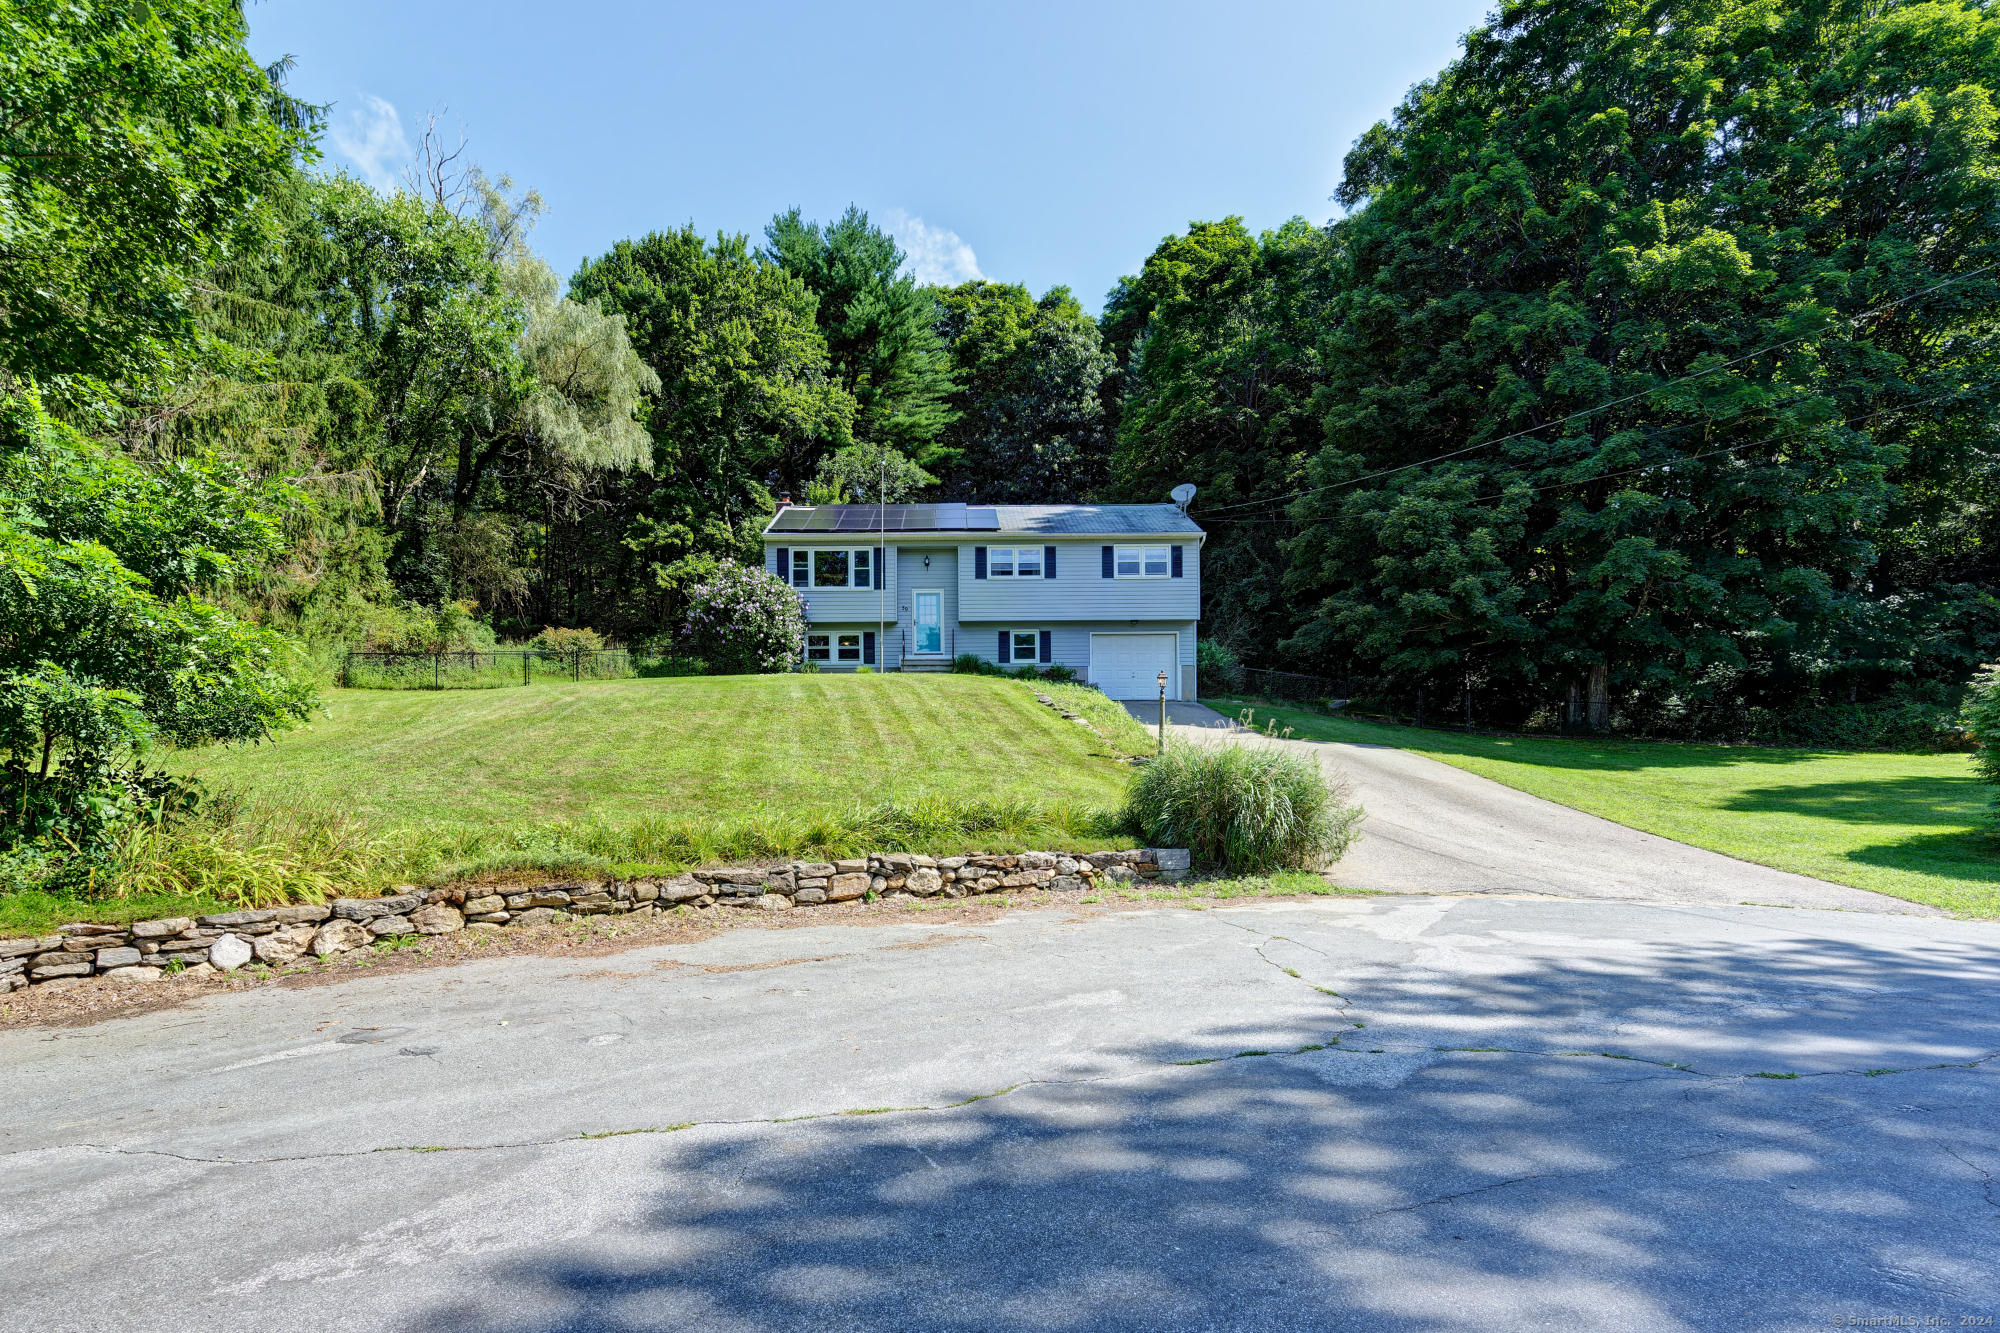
[1163,712]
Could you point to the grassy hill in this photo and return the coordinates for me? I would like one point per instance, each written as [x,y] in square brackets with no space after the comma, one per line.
[1909,825]
[391,786]
[690,748]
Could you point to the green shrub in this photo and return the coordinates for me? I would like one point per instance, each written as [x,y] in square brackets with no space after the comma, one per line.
[670,666]
[1025,673]
[1981,716]
[1217,667]
[972,664]
[1243,808]
[1058,673]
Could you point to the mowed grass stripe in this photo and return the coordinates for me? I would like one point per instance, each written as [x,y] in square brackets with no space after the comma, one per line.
[1910,825]
[690,747]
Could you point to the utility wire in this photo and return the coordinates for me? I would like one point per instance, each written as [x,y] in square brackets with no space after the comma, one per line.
[1851,321]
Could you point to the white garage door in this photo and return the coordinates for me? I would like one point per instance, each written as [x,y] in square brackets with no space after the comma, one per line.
[1128,666]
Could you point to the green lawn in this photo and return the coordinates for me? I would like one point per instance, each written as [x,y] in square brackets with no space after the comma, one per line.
[688,748]
[1911,825]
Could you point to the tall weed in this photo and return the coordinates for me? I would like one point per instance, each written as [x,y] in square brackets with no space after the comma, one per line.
[260,859]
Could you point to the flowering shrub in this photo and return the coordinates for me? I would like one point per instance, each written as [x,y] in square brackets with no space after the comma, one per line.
[743,620]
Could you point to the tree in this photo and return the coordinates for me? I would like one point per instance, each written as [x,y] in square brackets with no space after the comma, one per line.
[867,474]
[1650,319]
[134,140]
[105,642]
[1030,424]
[745,398]
[1218,338]
[1982,720]
[879,328]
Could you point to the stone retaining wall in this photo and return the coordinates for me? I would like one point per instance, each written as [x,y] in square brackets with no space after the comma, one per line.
[275,936]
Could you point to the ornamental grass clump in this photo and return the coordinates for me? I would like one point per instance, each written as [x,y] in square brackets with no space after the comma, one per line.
[1244,808]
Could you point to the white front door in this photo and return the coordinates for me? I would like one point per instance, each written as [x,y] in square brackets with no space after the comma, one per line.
[1128,666]
[929,620]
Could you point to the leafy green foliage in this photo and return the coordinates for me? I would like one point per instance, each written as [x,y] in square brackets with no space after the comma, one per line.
[1243,808]
[134,140]
[880,337]
[1651,327]
[1218,338]
[1217,667]
[104,645]
[745,393]
[867,474]
[1031,421]
[1982,719]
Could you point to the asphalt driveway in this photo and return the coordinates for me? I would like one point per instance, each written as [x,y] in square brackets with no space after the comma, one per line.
[1526,1114]
[1432,828]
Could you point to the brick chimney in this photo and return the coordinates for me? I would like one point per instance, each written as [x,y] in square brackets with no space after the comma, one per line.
[784,499]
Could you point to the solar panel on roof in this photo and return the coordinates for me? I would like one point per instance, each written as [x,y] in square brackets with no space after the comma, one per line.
[982,520]
[789,520]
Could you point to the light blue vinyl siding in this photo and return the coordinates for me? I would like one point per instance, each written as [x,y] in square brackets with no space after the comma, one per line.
[1079,591]
[1070,643]
[843,605]
[911,578]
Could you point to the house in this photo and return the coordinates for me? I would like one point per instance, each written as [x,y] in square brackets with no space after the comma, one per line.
[1111,591]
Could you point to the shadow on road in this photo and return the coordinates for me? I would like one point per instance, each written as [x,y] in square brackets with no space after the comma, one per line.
[1413,1189]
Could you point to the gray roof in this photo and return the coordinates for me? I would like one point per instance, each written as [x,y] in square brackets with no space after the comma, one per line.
[1041,520]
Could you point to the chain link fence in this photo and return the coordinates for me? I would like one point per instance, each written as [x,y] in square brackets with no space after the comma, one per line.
[490,669]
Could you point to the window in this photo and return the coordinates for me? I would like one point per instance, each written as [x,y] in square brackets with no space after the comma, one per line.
[849,647]
[830,569]
[1010,562]
[1027,645]
[818,648]
[1142,562]
[840,567]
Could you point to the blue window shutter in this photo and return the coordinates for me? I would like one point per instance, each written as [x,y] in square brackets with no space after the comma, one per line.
[1048,647]
[1175,554]
[1004,645]
[979,566]
[878,573]
[785,564]
[1107,562]
[868,647]
[1048,562]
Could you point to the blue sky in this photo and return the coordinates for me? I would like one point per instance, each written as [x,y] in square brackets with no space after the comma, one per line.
[1030,142]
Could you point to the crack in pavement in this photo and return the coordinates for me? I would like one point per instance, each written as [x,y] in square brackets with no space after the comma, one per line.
[1807,1129]
[1984,1174]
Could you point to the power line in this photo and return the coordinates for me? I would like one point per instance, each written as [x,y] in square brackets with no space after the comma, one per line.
[1851,321]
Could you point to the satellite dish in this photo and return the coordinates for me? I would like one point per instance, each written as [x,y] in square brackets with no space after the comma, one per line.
[1182,494]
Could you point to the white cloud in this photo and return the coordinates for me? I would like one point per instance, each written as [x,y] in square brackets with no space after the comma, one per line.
[371,137]
[932,255]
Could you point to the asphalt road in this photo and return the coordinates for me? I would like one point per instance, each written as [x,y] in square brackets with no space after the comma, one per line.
[1432,828]
[1531,1114]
